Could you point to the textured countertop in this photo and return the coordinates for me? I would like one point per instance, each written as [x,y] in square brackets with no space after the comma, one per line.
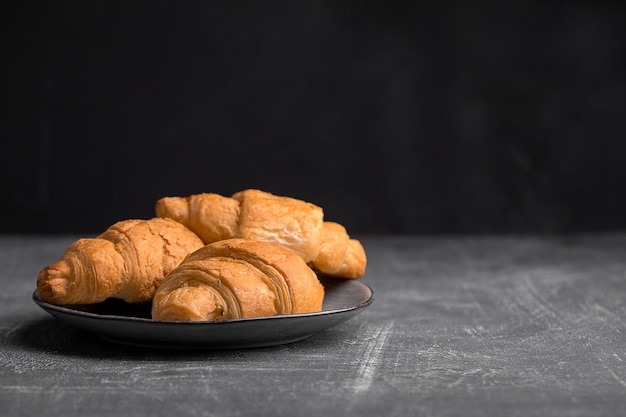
[472,326]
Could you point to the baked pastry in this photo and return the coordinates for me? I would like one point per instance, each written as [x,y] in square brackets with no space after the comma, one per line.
[127,261]
[238,278]
[258,215]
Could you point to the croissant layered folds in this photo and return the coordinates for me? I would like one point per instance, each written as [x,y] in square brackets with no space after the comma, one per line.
[238,278]
[258,215]
[210,257]
[127,261]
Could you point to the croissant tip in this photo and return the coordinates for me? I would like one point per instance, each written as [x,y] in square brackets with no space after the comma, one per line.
[52,282]
[188,303]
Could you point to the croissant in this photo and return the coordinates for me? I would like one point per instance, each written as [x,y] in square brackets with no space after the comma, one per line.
[127,261]
[238,278]
[258,215]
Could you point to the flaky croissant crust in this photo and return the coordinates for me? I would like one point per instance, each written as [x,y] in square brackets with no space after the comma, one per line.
[127,261]
[258,215]
[238,278]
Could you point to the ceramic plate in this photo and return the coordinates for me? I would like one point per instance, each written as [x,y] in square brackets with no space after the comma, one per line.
[124,323]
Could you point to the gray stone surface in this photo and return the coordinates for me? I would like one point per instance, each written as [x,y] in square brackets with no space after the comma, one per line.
[532,326]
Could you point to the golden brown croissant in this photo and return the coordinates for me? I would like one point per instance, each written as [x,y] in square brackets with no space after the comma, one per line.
[238,278]
[127,261]
[258,215]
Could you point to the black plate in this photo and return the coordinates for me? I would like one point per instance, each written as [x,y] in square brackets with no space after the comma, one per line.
[130,324]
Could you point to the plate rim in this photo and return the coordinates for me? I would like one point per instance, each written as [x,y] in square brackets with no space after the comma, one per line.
[65,309]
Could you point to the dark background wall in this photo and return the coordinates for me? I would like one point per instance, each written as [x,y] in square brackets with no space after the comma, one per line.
[395,117]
